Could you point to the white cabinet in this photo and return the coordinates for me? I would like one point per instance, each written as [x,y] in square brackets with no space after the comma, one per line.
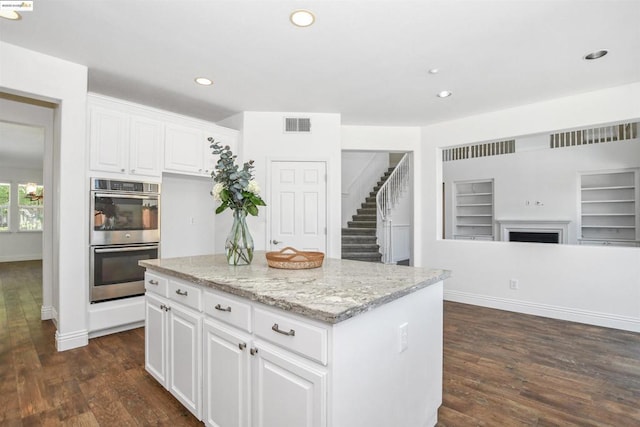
[188,150]
[473,203]
[124,143]
[226,367]
[173,339]
[287,391]
[609,208]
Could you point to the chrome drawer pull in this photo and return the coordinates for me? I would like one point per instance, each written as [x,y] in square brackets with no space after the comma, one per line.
[153,282]
[253,351]
[291,332]
[219,307]
[183,293]
[242,345]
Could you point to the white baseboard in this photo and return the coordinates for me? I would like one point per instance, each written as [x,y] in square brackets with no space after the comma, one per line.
[116,329]
[555,312]
[47,312]
[71,340]
[14,258]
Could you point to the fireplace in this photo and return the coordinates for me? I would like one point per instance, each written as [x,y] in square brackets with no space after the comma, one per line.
[534,231]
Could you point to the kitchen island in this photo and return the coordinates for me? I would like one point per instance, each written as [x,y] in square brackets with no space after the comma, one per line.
[347,344]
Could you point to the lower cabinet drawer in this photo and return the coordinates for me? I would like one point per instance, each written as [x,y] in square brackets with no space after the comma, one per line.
[228,310]
[296,336]
[156,284]
[186,294]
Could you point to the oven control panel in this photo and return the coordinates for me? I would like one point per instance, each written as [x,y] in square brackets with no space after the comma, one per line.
[124,186]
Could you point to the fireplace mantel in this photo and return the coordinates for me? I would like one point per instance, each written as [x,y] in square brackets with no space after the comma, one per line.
[534,226]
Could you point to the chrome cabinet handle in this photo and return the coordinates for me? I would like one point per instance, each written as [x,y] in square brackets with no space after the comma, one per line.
[219,307]
[253,351]
[275,328]
[242,345]
[153,282]
[183,293]
[164,307]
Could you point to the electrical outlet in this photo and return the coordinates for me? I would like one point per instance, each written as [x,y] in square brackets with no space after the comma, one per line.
[403,337]
[513,284]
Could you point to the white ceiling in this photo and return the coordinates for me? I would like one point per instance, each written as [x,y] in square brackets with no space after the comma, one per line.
[367,60]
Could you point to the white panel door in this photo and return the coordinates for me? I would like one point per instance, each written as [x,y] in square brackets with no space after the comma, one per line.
[298,205]
[155,338]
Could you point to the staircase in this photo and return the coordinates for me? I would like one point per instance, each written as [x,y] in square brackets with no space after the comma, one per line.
[359,238]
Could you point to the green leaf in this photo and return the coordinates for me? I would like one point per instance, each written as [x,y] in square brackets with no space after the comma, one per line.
[221,208]
[252,210]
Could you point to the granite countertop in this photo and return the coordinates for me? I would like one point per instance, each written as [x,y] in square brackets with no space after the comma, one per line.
[338,290]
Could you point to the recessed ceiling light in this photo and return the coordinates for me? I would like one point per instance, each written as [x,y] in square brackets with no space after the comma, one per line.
[203,81]
[595,55]
[444,94]
[10,14]
[434,71]
[302,18]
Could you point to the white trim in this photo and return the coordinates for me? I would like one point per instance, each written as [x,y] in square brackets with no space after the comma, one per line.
[47,312]
[534,225]
[71,340]
[545,310]
[27,257]
[121,328]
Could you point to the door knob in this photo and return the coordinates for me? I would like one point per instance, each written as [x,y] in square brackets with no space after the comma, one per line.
[276,242]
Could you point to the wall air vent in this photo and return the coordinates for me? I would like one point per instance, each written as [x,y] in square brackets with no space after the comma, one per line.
[484,149]
[297,125]
[597,135]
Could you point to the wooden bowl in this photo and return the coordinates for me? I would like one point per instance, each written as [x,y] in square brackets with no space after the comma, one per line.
[293,259]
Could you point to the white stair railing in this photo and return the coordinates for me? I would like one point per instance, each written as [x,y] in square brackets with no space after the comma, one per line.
[386,199]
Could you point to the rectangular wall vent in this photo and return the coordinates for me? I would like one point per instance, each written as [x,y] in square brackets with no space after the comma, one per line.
[598,135]
[297,124]
[479,150]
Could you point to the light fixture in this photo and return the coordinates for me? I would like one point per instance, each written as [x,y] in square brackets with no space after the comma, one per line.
[203,81]
[10,14]
[32,190]
[434,71]
[595,55]
[444,94]
[302,18]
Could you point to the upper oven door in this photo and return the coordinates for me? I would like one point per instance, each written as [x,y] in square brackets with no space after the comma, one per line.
[118,218]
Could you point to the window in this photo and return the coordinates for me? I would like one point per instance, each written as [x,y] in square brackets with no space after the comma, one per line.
[31,210]
[5,201]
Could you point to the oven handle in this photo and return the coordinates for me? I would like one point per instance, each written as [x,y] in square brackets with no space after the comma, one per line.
[123,249]
[152,196]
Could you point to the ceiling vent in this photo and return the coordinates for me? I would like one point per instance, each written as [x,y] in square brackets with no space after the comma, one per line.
[297,125]
[598,135]
[484,149]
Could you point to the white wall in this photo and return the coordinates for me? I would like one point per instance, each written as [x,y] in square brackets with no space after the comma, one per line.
[187,216]
[31,74]
[598,285]
[396,139]
[548,176]
[19,245]
[264,141]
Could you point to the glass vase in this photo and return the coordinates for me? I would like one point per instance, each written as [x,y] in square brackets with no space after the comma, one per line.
[239,244]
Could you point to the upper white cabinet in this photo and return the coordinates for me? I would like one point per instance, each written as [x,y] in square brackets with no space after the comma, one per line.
[188,150]
[124,143]
[130,140]
[609,208]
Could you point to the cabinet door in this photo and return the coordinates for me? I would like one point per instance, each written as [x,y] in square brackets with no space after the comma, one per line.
[226,375]
[185,339]
[287,391]
[146,147]
[109,139]
[155,338]
[184,149]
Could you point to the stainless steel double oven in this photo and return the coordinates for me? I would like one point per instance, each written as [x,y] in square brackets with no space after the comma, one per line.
[125,228]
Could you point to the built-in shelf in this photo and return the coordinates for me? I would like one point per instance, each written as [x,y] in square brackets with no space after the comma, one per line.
[473,213]
[609,208]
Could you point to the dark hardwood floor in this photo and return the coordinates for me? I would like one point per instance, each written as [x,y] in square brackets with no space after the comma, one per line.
[500,369]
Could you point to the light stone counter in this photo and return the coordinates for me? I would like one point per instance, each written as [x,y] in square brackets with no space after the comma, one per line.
[337,291]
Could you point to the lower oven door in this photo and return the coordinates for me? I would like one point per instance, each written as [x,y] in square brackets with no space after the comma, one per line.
[115,272]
